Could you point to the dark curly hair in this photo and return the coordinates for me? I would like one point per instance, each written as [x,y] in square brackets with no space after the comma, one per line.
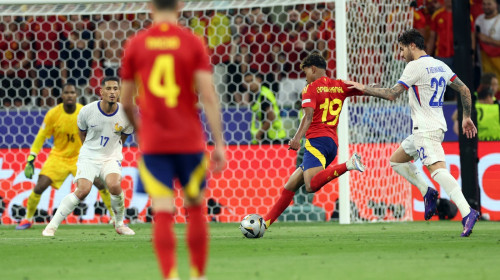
[314,59]
[165,4]
[412,36]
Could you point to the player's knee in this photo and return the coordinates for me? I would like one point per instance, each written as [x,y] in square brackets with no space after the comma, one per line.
[82,192]
[40,188]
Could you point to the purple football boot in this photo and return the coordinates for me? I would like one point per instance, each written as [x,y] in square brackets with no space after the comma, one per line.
[469,221]
[430,202]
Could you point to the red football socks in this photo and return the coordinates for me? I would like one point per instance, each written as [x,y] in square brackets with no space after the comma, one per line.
[325,176]
[197,239]
[164,243]
[280,206]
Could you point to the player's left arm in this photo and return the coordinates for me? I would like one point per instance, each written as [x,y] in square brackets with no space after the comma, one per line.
[469,129]
[128,89]
[124,137]
[294,143]
[385,93]
[82,134]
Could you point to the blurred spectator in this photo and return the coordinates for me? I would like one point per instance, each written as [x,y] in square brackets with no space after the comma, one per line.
[48,34]
[326,45]
[488,34]
[141,21]
[488,111]
[234,94]
[294,39]
[260,35]
[77,60]
[476,8]
[15,61]
[267,126]
[488,116]
[419,22]
[440,43]
[110,36]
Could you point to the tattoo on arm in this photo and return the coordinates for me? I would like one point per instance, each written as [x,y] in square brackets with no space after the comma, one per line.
[385,93]
[459,86]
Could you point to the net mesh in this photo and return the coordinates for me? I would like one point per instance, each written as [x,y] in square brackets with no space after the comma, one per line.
[44,46]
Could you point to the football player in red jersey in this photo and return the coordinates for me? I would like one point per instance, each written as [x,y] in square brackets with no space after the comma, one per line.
[322,101]
[163,63]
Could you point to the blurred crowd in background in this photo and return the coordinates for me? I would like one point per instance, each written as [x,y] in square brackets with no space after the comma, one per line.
[250,48]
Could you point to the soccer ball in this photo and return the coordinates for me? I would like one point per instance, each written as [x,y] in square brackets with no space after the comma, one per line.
[253,226]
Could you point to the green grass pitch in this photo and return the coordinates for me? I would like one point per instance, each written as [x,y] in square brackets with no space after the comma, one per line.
[414,250]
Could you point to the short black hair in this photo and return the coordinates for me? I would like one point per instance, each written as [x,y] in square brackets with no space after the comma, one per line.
[165,4]
[412,36]
[314,59]
[106,79]
[69,84]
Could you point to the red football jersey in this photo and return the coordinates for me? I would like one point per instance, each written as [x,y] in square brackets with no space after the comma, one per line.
[442,24]
[326,96]
[163,60]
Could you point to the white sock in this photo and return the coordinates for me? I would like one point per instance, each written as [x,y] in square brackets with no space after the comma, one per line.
[451,187]
[68,204]
[118,205]
[410,172]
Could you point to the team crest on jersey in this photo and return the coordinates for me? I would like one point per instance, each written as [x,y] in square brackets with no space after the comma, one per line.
[118,128]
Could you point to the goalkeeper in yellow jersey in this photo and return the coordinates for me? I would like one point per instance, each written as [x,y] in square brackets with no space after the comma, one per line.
[59,122]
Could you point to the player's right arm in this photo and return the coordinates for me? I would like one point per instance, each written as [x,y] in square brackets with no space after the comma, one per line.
[203,80]
[83,135]
[45,131]
[469,129]
[205,87]
[385,93]
[82,124]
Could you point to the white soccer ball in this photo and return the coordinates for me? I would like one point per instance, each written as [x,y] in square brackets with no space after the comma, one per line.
[253,226]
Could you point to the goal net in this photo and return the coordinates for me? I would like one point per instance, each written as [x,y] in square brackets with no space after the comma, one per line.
[252,43]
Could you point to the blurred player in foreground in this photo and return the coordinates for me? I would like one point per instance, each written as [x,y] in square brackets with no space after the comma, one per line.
[427,77]
[59,122]
[163,63]
[103,128]
[322,101]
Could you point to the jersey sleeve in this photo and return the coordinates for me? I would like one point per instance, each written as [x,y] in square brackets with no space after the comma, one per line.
[309,97]
[44,132]
[127,67]
[201,54]
[410,76]
[82,119]
[350,91]
[451,76]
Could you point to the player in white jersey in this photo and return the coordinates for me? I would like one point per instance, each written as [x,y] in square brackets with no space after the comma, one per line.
[426,79]
[103,128]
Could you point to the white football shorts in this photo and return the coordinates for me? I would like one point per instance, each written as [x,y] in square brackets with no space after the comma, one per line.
[425,146]
[90,169]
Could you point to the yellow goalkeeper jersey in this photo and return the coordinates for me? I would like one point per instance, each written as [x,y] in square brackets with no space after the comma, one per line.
[63,127]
